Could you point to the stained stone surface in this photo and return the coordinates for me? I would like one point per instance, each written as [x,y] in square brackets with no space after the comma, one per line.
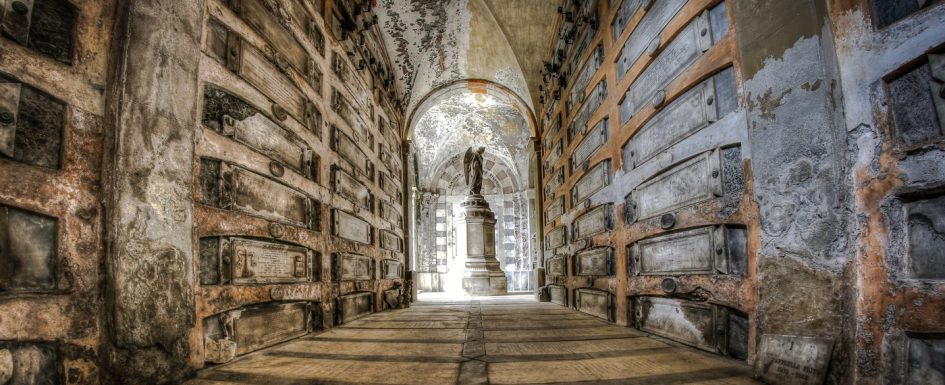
[479,340]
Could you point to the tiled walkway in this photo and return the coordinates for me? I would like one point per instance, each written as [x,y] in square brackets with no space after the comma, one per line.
[494,340]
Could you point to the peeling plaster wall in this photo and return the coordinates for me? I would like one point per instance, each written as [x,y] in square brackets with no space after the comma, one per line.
[439,42]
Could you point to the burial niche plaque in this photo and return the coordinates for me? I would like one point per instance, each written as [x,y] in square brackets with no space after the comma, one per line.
[595,302]
[598,261]
[351,267]
[255,262]
[793,360]
[349,226]
[354,306]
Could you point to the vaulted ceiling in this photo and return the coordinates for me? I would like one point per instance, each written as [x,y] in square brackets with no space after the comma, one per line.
[438,42]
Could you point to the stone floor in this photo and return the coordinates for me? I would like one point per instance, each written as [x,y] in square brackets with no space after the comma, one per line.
[484,340]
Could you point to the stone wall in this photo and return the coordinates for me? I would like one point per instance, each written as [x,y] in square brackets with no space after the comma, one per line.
[744,176]
[186,182]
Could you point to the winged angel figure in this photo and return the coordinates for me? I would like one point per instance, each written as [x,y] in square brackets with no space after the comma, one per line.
[472,170]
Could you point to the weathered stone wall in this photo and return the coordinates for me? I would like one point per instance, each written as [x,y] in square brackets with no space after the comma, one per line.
[185,182]
[647,183]
[765,172]
[53,70]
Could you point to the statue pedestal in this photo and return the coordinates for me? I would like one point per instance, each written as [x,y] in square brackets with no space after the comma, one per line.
[482,274]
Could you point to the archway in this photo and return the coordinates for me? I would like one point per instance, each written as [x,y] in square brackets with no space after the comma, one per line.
[445,123]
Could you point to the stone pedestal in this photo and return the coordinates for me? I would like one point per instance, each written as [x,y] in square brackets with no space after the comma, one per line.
[482,274]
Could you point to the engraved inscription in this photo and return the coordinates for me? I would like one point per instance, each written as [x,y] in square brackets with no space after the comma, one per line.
[598,261]
[678,55]
[654,21]
[794,360]
[256,195]
[348,150]
[584,78]
[254,262]
[591,182]
[702,250]
[693,181]
[694,110]
[593,102]
[237,119]
[351,227]
[595,221]
[593,141]
[351,267]
[349,187]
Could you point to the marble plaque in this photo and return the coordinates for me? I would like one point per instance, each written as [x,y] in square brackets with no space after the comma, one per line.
[598,261]
[694,110]
[391,214]
[918,107]
[720,249]
[256,131]
[590,106]
[351,267]
[595,302]
[692,323]
[595,221]
[259,71]
[349,187]
[692,181]
[557,266]
[793,360]
[348,150]
[559,294]
[390,241]
[584,77]
[678,55]
[254,13]
[555,210]
[28,250]
[267,325]
[925,222]
[555,180]
[351,227]
[354,306]
[654,21]
[626,11]
[390,186]
[591,182]
[256,195]
[556,238]
[391,269]
[258,262]
[593,141]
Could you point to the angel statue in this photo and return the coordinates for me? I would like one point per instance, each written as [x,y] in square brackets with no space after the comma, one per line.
[472,170]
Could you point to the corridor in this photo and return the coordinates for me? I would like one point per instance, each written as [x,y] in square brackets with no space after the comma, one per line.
[486,340]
